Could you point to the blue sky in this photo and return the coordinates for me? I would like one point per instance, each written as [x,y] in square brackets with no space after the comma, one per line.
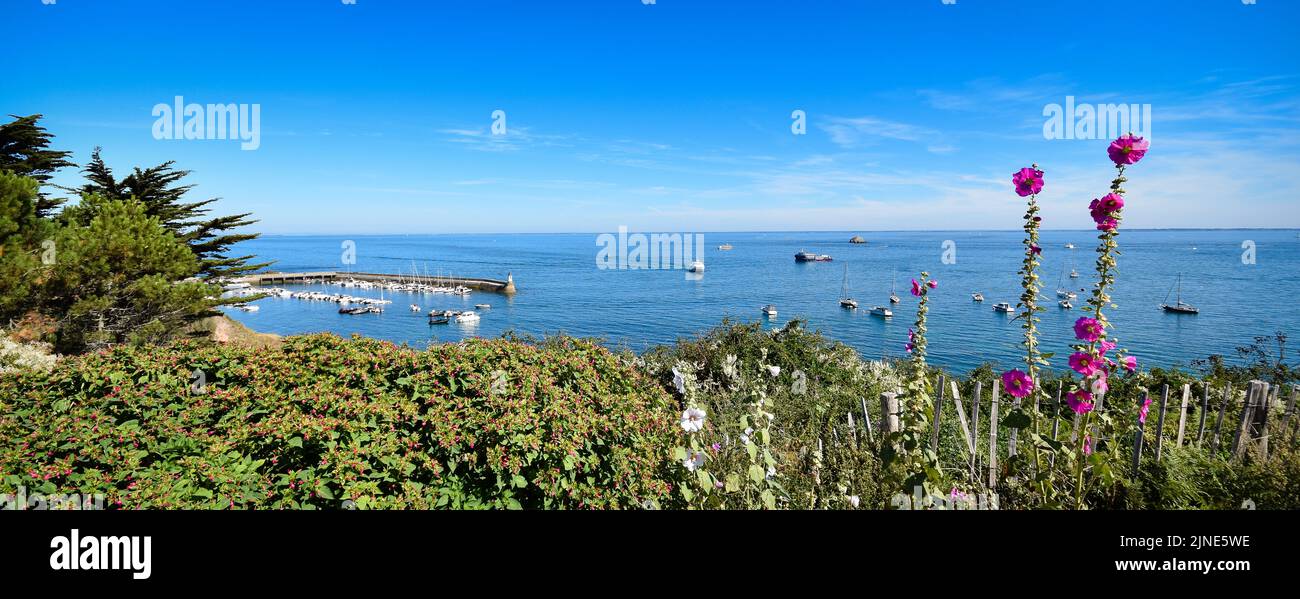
[375,117]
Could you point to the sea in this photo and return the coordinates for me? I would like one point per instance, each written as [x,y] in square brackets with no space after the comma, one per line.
[1244,282]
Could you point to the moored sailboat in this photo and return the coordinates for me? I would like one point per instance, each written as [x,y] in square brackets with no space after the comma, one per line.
[1179,306]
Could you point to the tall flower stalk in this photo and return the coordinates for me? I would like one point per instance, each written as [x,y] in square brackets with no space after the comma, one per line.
[920,465]
[1020,384]
[1090,358]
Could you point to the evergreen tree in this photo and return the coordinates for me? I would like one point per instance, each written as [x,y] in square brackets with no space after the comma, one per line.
[121,277]
[21,235]
[160,191]
[24,150]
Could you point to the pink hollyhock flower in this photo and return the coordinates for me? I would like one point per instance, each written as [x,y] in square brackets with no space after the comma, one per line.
[916,288]
[1099,383]
[1142,414]
[1107,224]
[1080,401]
[1111,202]
[1028,181]
[911,339]
[1035,249]
[1128,149]
[1083,363]
[1130,363]
[1017,383]
[1106,346]
[1088,329]
[933,284]
[1094,208]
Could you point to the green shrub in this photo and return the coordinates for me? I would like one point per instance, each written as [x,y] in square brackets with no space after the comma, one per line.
[323,420]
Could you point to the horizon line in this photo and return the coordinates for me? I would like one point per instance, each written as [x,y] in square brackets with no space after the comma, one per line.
[850,231]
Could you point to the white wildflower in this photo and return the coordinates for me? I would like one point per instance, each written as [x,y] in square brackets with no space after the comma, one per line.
[693,461]
[692,420]
[774,370]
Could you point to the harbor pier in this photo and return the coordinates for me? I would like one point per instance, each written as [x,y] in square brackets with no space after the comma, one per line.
[506,287]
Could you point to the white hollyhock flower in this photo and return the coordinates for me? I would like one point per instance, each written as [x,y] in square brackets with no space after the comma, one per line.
[692,420]
[693,461]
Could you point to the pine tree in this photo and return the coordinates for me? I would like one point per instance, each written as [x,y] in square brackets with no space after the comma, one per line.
[160,191]
[121,277]
[24,150]
[21,235]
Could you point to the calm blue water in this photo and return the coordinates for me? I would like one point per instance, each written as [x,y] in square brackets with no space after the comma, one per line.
[561,290]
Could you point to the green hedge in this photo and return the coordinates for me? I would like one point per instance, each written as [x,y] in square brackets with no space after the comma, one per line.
[323,420]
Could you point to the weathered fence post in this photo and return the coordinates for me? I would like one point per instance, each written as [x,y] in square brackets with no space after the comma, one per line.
[1137,440]
[1218,422]
[888,413]
[1056,421]
[1182,414]
[1269,400]
[1205,408]
[1244,424]
[993,434]
[1286,415]
[1012,448]
[866,420]
[1160,423]
[961,416]
[938,412]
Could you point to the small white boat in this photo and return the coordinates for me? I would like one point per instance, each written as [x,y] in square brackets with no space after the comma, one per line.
[724,247]
[482,306]
[247,307]
[977,296]
[1065,303]
[893,289]
[467,317]
[1074,274]
[415,308]
[1069,246]
[1002,307]
[882,312]
[696,266]
[769,310]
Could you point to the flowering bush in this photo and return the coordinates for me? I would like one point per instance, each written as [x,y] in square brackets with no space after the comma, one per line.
[323,420]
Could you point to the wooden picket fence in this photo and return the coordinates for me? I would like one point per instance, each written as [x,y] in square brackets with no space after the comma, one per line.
[1250,409]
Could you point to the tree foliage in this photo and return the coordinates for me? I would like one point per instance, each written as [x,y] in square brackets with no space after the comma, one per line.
[160,190]
[24,150]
